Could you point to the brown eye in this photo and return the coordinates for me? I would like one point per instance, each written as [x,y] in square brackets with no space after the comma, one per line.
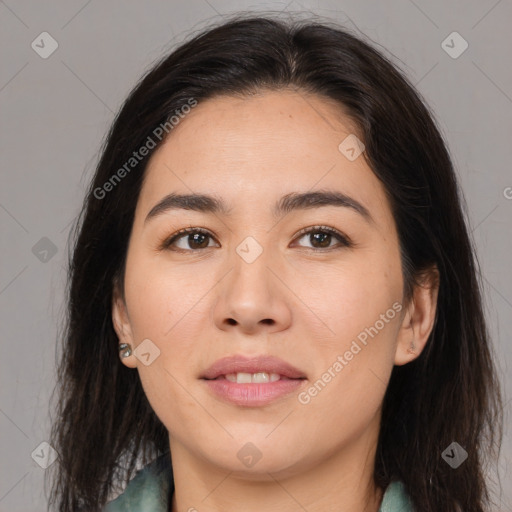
[320,237]
[323,239]
[190,238]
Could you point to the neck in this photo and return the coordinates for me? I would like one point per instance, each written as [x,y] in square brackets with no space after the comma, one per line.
[342,480]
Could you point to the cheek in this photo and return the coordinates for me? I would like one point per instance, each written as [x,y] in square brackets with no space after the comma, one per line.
[353,295]
[352,373]
[354,362]
[164,300]
[161,312]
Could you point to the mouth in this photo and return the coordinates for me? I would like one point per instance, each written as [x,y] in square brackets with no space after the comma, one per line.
[259,369]
[245,390]
[252,382]
[254,378]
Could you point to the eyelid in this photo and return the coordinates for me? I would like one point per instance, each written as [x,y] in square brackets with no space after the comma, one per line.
[320,227]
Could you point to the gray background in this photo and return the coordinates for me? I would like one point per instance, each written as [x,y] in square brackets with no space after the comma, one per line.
[55,112]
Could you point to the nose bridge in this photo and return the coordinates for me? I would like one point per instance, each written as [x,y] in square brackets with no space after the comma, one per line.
[251,295]
[250,260]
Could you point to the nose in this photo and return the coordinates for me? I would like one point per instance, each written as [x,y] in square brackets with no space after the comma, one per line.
[253,297]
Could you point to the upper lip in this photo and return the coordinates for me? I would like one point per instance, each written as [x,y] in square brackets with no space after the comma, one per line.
[262,363]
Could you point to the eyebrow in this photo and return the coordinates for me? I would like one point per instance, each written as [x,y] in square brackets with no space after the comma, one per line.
[289,202]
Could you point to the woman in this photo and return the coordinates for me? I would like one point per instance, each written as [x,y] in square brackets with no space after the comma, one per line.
[274,301]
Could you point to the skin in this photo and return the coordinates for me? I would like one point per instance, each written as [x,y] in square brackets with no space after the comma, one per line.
[207,303]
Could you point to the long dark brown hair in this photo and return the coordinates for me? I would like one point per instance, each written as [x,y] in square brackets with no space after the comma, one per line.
[103,425]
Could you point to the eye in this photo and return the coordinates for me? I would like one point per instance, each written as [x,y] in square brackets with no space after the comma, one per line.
[195,239]
[321,236]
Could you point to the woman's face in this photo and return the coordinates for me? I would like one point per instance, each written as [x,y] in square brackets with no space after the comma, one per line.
[254,285]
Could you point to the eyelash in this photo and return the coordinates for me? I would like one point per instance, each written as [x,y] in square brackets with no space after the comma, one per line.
[344,241]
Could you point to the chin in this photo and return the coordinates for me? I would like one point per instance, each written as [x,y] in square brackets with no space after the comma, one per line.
[253,459]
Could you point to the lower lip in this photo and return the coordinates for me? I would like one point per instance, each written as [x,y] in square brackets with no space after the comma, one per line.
[253,394]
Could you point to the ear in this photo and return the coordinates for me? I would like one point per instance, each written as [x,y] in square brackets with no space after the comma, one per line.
[419,318]
[122,326]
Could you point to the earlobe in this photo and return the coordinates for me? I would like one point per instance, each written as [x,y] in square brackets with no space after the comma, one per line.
[419,319]
[121,323]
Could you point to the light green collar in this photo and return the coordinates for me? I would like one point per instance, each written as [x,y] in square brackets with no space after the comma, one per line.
[152,487]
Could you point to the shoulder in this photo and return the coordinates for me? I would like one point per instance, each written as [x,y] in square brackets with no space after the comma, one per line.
[396,499]
[148,491]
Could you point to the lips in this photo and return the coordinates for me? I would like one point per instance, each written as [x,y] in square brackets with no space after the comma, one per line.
[260,364]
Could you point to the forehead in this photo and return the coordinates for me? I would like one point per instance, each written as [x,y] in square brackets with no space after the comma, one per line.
[251,151]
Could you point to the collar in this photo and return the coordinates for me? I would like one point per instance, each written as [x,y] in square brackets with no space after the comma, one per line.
[152,487]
